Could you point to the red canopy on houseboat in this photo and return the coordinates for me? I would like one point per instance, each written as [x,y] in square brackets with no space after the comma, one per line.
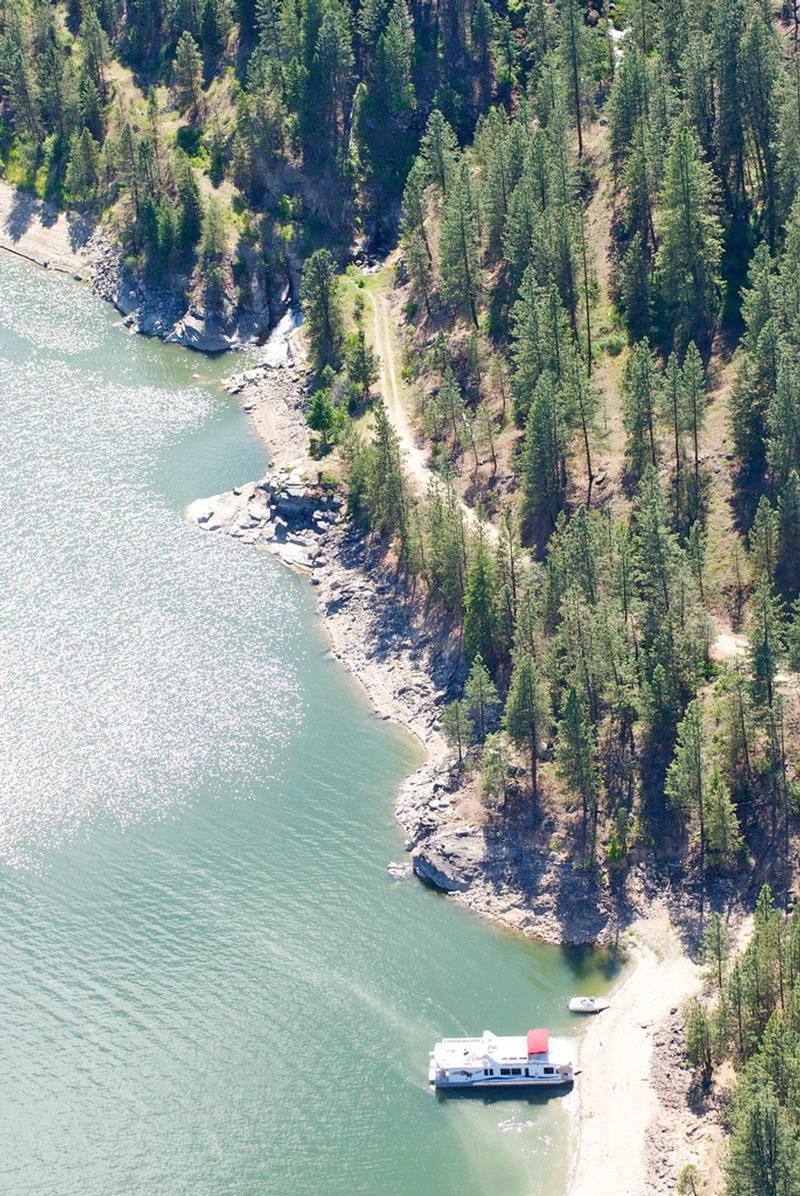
[538,1041]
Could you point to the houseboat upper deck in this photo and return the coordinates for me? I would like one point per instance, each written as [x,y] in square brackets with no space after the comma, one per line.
[490,1061]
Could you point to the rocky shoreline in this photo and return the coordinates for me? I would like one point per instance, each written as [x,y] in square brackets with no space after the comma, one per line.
[157,311]
[75,244]
[409,662]
[407,659]
[518,874]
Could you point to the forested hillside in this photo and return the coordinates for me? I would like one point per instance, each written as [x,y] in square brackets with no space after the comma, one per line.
[594,229]
[600,293]
[232,134]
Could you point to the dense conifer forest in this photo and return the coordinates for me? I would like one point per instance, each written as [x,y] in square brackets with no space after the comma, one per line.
[593,218]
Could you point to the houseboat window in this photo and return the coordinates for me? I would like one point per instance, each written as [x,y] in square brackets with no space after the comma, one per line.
[486,1071]
[505,1071]
[549,1071]
[527,1073]
[516,1071]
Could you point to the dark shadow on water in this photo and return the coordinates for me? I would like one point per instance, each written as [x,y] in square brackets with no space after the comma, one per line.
[495,1096]
[584,962]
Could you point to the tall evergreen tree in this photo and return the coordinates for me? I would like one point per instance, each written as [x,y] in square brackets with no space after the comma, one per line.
[526,712]
[690,251]
[188,75]
[641,390]
[576,760]
[318,293]
[458,245]
[480,615]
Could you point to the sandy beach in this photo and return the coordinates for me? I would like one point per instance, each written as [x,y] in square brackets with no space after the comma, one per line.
[629,1142]
[34,230]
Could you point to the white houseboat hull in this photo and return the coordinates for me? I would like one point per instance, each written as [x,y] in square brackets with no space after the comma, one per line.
[492,1062]
[465,1080]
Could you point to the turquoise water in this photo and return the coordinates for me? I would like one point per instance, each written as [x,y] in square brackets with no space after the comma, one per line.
[208,982]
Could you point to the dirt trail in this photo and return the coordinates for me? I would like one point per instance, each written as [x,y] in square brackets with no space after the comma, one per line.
[417,468]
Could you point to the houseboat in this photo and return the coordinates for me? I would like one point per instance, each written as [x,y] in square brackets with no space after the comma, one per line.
[524,1061]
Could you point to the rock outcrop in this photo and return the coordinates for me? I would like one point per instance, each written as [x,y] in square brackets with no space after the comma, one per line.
[282,512]
[158,311]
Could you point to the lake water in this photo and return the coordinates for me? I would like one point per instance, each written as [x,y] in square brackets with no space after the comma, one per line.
[208,982]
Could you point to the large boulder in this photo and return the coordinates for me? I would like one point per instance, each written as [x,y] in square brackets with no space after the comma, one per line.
[449,859]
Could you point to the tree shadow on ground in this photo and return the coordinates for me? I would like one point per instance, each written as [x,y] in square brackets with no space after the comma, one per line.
[529,856]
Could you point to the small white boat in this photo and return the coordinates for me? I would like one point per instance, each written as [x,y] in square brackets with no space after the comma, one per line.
[523,1061]
[588,1004]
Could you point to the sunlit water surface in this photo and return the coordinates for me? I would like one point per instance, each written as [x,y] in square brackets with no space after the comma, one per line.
[208,982]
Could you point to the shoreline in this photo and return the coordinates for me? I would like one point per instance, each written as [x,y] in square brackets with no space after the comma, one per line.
[33,230]
[73,243]
[409,666]
[635,1129]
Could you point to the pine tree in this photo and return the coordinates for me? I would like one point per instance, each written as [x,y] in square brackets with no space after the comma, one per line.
[320,416]
[83,169]
[543,474]
[766,641]
[215,25]
[690,248]
[393,62]
[190,205]
[438,152]
[673,411]
[446,552]
[450,407]
[458,245]
[480,615]
[212,248]
[526,711]
[640,402]
[764,1158]
[541,340]
[723,837]
[783,421]
[327,108]
[634,288]
[698,1039]
[361,365]
[726,35]
[573,51]
[96,51]
[188,75]
[480,696]
[716,949]
[456,728]
[685,785]
[789,535]
[627,104]
[576,761]
[496,178]
[693,381]
[494,765]
[318,293]
[759,67]
[763,540]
